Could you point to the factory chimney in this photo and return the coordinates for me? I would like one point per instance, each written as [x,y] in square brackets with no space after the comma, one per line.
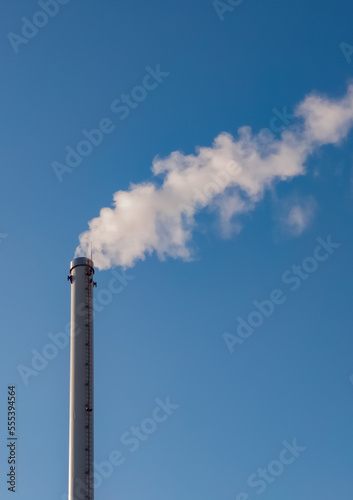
[81,380]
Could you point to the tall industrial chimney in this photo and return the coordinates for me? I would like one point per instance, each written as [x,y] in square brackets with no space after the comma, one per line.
[81,380]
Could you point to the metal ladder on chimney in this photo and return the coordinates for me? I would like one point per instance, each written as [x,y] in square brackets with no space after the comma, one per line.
[89,421]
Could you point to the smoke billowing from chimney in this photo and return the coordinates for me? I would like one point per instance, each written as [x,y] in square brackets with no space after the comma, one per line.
[228,178]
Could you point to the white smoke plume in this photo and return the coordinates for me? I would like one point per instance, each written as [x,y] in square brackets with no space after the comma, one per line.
[228,178]
[296,213]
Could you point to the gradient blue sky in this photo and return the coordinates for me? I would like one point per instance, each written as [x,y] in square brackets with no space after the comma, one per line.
[163,334]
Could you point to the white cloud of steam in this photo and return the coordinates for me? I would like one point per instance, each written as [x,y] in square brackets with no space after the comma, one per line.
[297,215]
[327,121]
[228,178]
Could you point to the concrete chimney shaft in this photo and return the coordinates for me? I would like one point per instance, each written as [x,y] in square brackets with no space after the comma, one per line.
[81,381]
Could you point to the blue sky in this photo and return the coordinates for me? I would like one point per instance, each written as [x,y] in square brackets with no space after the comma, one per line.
[162,334]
